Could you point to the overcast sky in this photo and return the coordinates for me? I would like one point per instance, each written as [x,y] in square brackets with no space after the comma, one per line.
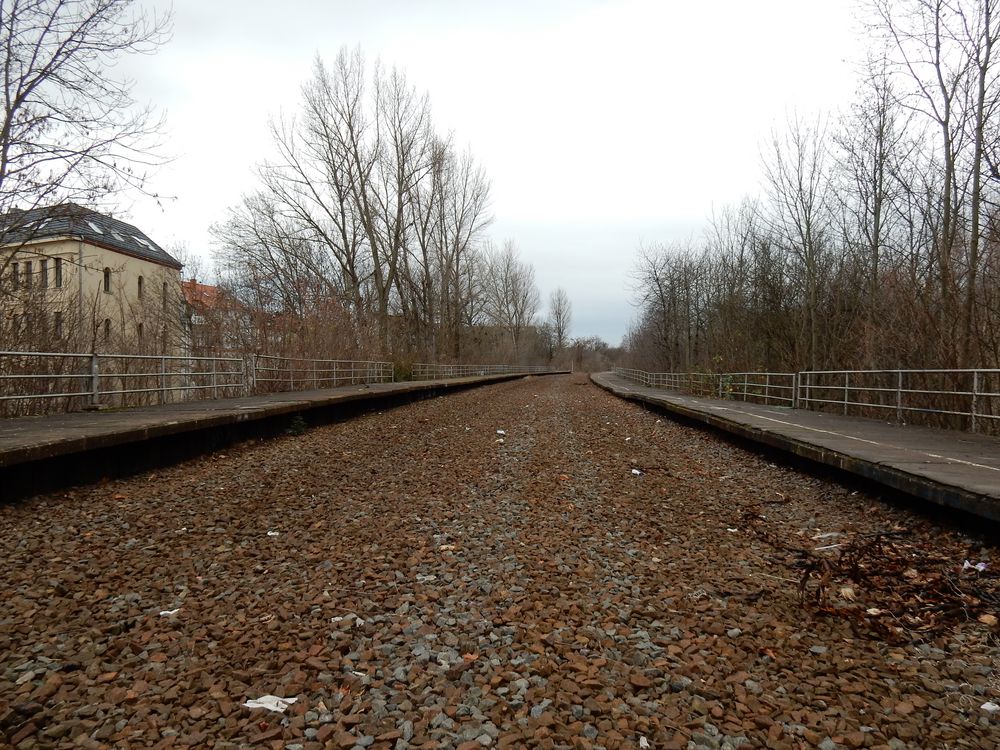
[602,124]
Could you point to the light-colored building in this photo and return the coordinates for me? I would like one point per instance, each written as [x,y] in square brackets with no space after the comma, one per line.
[73,279]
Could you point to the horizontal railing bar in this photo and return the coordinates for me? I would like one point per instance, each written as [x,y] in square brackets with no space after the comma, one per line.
[200,373]
[45,375]
[45,395]
[46,354]
[905,372]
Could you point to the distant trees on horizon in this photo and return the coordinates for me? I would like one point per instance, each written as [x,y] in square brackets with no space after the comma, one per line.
[876,240]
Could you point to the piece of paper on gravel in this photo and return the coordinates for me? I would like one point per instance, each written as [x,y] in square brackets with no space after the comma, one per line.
[271,703]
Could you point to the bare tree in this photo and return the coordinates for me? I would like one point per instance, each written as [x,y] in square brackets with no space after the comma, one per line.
[341,203]
[71,128]
[874,145]
[512,299]
[560,317]
[944,55]
[798,185]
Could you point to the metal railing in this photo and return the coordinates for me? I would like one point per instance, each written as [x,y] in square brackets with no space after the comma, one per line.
[967,399]
[759,387]
[47,382]
[756,387]
[67,381]
[953,399]
[272,374]
[427,371]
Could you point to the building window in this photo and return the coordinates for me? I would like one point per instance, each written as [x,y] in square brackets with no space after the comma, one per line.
[58,270]
[15,275]
[165,295]
[27,274]
[43,273]
[138,331]
[107,281]
[107,329]
[59,325]
[140,287]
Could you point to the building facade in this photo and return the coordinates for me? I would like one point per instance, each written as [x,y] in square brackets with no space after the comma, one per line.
[73,279]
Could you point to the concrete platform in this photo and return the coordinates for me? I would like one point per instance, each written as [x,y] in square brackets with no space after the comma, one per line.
[955,469]
[42,453]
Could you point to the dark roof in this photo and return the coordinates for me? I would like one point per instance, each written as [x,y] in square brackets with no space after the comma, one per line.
[71,220]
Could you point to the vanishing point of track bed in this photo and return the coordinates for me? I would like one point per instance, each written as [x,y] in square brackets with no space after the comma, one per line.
[597,576]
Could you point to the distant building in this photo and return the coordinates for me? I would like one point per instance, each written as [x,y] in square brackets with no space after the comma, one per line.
[204,304]
[75,279]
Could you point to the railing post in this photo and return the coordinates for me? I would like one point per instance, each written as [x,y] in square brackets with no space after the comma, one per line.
[767,388]
[215,379]
[847,382]
[95,380]
[899,396]
[163,380]
[975,396]
[795,390]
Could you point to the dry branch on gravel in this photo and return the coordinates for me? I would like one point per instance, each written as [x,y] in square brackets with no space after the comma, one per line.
[887,583]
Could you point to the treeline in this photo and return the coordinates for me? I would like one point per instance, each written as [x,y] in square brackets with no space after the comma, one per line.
[876,240]
[366,236]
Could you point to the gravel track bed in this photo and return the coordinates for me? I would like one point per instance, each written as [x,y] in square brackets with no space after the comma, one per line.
[597,576]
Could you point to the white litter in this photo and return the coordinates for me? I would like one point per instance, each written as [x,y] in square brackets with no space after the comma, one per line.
[271,703]
[272,533]
[358,622]
[501,432]
[644,744]
[980,566]
[627,440]
[991,707]
[637,472]
[447,548]
[732,531]
[168,612]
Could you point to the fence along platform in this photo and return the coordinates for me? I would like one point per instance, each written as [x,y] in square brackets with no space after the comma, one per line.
[951,468]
